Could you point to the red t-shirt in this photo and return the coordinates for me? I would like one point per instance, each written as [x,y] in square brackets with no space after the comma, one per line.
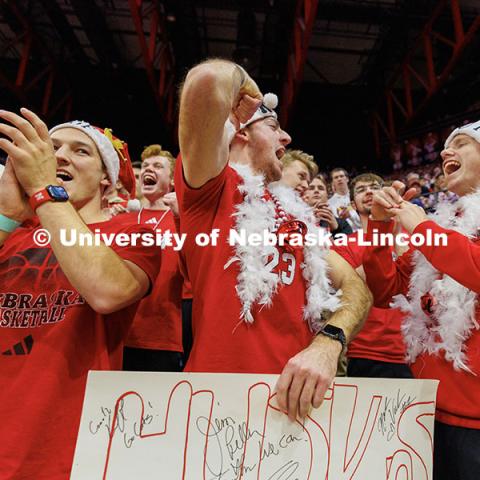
[49,340]
[222,342]
[380,337]
[187,287]
[158,324]
[459,391]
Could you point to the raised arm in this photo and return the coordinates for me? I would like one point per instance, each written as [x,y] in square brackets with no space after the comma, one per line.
[213,91]
[384,276]
[457,257]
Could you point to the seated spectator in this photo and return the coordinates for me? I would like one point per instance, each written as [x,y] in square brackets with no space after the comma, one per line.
[414,183]
[298,170]
[155,339]
[81,300]
[413,151]
[339,202]
[396,153]
[316,196]
[430,147]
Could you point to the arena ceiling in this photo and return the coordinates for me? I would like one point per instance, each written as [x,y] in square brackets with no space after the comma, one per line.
[344,69]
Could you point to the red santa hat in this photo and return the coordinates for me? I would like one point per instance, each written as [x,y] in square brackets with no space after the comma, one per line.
[471,129]
[113,151]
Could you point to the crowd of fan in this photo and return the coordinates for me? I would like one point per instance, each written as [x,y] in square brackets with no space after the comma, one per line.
[320,188]
[291,310]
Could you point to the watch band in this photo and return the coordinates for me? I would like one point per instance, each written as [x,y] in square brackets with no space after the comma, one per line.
[51,193]
[39,198]
[335,333]
[7,224]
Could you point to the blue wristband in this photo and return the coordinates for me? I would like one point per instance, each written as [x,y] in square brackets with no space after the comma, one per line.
[7,224]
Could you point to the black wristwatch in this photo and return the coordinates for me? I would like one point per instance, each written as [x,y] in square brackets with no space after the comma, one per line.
[335,333]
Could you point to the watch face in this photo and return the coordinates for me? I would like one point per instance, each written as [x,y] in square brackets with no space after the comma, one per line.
[59,194]
[335,332]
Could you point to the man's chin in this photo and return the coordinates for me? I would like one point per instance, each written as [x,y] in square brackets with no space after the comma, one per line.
[274,174]
[148,191]
[455,186]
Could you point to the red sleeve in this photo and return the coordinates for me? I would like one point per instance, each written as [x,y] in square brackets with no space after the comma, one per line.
[354,258]
[145,257]
[459,258]
[204,198]
[385,277]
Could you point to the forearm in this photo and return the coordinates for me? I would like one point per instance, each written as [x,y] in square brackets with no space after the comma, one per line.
[96,272]
[207,99]
[459,258]
[385,278]
[356,303]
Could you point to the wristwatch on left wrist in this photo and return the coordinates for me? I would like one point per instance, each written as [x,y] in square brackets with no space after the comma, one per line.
[335,333]
[51,193]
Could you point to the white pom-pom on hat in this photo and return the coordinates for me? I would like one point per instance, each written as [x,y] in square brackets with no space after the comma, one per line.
[266,109]
[270,100]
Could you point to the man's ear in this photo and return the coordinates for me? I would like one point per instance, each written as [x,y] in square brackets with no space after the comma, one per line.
[105,183]
[242,135]
[354,206]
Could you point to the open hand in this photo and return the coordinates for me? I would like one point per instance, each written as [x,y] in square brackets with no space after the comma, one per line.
[30,150]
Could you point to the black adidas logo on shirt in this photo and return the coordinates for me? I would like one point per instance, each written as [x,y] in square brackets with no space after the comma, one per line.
[21,348]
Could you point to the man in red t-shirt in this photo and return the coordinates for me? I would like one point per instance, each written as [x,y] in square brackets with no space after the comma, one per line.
[440,277]
[64,310]
[257,308]
[378,349]
[155,339]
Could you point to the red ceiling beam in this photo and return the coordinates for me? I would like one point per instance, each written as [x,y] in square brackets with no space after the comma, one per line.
[305,15]
[157,54]
[29,77]
[433,78]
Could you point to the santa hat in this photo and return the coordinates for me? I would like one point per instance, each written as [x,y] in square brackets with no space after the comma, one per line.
[266,109]
[113,151]
[471,129]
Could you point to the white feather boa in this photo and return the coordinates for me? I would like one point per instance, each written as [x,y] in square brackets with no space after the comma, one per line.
[256,284]
[453,319]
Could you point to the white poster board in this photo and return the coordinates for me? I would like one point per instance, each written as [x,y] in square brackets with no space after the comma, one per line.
[218,426]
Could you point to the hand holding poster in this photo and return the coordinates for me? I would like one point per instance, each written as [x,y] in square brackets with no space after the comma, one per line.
[219,426]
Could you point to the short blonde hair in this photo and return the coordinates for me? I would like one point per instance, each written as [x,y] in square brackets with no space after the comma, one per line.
[156,150]
[297,155]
